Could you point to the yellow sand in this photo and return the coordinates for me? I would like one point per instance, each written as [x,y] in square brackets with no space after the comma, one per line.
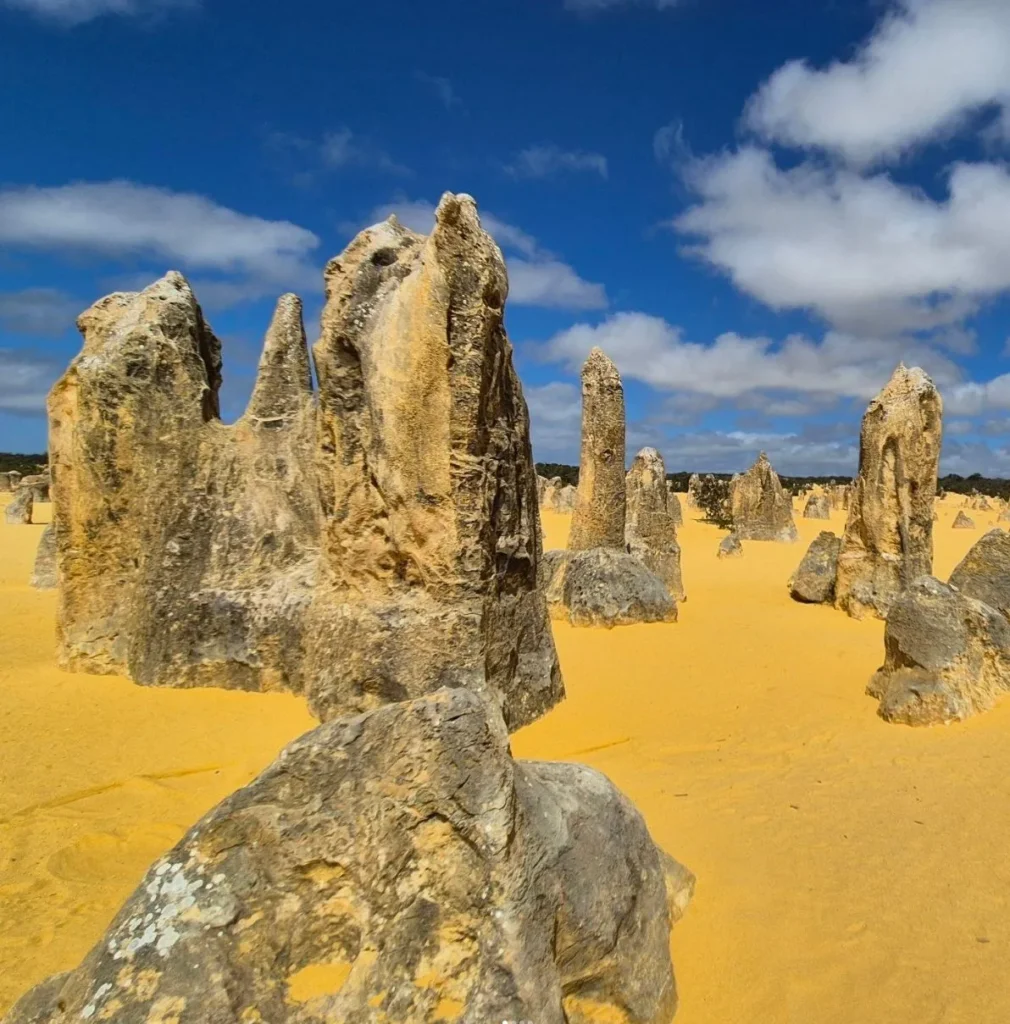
[849,871]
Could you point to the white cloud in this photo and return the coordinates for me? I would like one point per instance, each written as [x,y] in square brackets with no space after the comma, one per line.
[649,349]
[549,160]
[972,399]
[41,311]
[25,380]
[864,252]
[76,12]
[536,276]
[555,420]
[928,66]
[122,219]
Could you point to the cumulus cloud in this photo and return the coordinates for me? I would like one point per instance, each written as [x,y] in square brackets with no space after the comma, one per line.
[649,349]
[536,276]
[46,312]
[25,380]
[863,252]
[76,12]
[928,66]
[555,420]
[546,161]
[192,232]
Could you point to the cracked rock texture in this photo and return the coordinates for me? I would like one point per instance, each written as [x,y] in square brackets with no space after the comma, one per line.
[44,573]
[362,546]
[650,530]
[888,539]
[761,508]
[19,509]
[814,579]
[405,862]
[984,573]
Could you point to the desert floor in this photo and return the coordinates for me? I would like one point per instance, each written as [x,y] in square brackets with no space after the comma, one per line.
[848,870]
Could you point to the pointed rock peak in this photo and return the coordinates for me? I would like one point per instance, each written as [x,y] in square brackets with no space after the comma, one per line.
[906,380]
[284,379]
[651,459]
[599,364]
[455,209]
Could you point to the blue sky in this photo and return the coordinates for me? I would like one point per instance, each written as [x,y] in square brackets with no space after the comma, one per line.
[755,208]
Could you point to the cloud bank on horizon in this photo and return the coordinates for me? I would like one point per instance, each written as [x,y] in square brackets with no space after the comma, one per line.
[857,213]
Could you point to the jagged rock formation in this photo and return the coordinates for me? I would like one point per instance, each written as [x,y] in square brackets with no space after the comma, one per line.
[551,491]
[947,656]
[19,509]
[542,484]
[693,483]
[730,547]
[818,506]
[604,587]
[673,506]
[761,509]
[888,539]
[407,859]
[650,531]
[598,519]
[44,574]
[984,573]
[567,497]
[39,484]
[13,480]
[814,579]
[365,548]
[963,522]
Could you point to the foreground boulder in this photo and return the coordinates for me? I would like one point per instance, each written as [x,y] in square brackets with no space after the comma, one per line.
[946,656]
[605,587]
[814,579]
[984,573]
[397,866]
[19,509]
[360,547]
[761,508]
[598,519]
[650,530]
[818,506]
[730,547]
[963,522]
[888,539]
[44,575]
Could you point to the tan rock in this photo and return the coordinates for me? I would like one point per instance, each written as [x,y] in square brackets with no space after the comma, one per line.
[818,506]
[730,547]
[650,531]
[405,850]
[888,538]
[761,508]
[963,522]
[364,548]
[598,519]
[19,509]
[984,573]
[693,483]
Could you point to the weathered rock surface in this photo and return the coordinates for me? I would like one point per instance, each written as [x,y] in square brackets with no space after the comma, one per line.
[947,656]
[363,548]
[730,547]
[13,479]
[598,519]
[44,574]
[406,858]
[650,531]
[693,483]
[674,508]
[888,539]
[39,484]
[818,506]
[984,573]
[567,497]
[551,492]
[963,522]
[761,508]
[814,579]
[19,509]
[605,587]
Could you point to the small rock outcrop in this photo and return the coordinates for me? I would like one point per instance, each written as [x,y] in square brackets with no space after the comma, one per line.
[396,866]
[44,574]
[39,483]
[818,506]
[946,656]
[693,483]
[761,508]
[730,547]
[598,519]
[604,587]
[13,479]
[963,522]
[359,547]
[566,499]
[19,509]
[814,579]
[984,573]
[888,539]
[650,531]
[673,505]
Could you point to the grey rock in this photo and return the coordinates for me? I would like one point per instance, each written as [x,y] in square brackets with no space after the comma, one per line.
[408,847]
[566,499]
[761,508]
[984,573]
[818,506]
[39,483]
[44,574]
[650,531]
[19,509]
[814,579]
[946,656]
[730,547]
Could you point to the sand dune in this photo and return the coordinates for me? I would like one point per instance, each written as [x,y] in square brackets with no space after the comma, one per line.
[848,870]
